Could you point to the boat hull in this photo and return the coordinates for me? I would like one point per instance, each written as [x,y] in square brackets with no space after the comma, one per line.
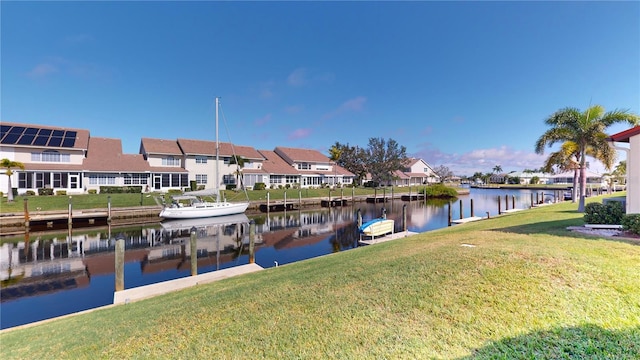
[203,210]
[377,227]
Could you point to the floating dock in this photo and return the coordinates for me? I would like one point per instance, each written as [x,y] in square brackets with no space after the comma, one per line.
[333,202]
[278,206]
[413,197]
[381,239]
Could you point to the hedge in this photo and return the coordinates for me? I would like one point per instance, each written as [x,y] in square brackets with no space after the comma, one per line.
[609,214]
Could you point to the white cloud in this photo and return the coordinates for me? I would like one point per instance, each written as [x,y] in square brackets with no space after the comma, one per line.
[263,120]
[298,77]
[42,70]
[352,105]
[299,134]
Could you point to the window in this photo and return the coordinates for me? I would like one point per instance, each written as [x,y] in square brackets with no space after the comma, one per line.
[50,156]
[229,179]
[201,159]
[201,179]
[102,179]
[171,161]
[291,179]
[136,179]
[59,180]
[304,166]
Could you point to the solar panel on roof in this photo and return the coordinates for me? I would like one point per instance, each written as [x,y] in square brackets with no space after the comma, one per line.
[26,139]
[4,129]
[55,141]
[43,137]
[69,139]
[58,133]
[31,131]
[10,138]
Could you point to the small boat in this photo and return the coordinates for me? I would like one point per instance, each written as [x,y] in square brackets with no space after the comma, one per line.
[377,227]
[191,206]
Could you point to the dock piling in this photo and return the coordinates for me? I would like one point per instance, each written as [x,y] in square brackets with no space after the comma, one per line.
[194,252]
[119,264]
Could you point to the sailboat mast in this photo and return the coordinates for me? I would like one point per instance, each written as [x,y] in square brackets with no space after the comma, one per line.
[217,154]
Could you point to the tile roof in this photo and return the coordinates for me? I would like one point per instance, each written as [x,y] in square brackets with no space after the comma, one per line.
[274,164]
[105,154]
[52,167]
[204,147]
[624,136]
[295,155]
[159,146]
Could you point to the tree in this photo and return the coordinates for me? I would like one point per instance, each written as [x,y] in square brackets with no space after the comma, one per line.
[10,164]
[384,158]
[565,159]
[497,169]
[351,158]
[443,173]
[239,161]
[587,130]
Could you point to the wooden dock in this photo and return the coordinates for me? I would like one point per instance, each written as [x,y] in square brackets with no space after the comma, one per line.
[333,202]
[377,199]
[278,206]
[412,197]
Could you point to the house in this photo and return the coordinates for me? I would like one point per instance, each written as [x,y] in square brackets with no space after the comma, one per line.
[166,160]
[631,137]
[274,171]
[594,180]
[315,169]
[199,160]
[526,177]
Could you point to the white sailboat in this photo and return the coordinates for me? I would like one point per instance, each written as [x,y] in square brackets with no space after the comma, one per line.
[195,207]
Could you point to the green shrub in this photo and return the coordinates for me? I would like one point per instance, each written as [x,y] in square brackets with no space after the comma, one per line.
[92,191]
[28,193]
[174,191]
[439,191]
[45,191]
[631,222]
[61,192]
[120,189]
[610,214]
[259,186]
[230,187]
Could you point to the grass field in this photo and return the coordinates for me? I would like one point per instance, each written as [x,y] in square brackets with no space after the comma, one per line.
[97,201]
[526,289]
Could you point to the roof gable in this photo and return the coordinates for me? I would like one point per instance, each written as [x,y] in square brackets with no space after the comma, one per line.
[295,155]
[206,147]
[274,164]
[159,146]
[105,154]
[624,136]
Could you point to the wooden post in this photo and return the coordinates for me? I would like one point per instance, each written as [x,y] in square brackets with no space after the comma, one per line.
[449,211]
[513,201]
[285,200]
[531,199]
[404,217]
[384,194]
[300,199]
[353,194]
[194,252]
[506,202]
[499,205]
[375,195]
[537,198]
[70,212]
[109,208]
[268,205]
[359,218]
[119,264]
[461,212]
[26,215]
[471,201]
[252,241]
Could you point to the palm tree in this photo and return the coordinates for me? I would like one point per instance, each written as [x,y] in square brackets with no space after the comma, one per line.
[239,161]
[565,159]
[497,169]
[587,130]
[10,164]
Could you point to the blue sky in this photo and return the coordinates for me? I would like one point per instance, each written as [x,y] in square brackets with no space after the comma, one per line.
[462,84]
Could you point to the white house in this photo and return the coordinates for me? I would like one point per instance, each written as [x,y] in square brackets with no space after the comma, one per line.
[631,137]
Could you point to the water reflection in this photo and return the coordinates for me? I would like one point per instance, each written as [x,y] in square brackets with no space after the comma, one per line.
[48,274]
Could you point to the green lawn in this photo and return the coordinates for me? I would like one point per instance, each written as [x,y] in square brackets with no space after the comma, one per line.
[528,289]
[92,201]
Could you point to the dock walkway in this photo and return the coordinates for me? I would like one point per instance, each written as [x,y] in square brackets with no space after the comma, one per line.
[147,291]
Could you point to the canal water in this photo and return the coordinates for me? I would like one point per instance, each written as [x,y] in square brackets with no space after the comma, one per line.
[45,275]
